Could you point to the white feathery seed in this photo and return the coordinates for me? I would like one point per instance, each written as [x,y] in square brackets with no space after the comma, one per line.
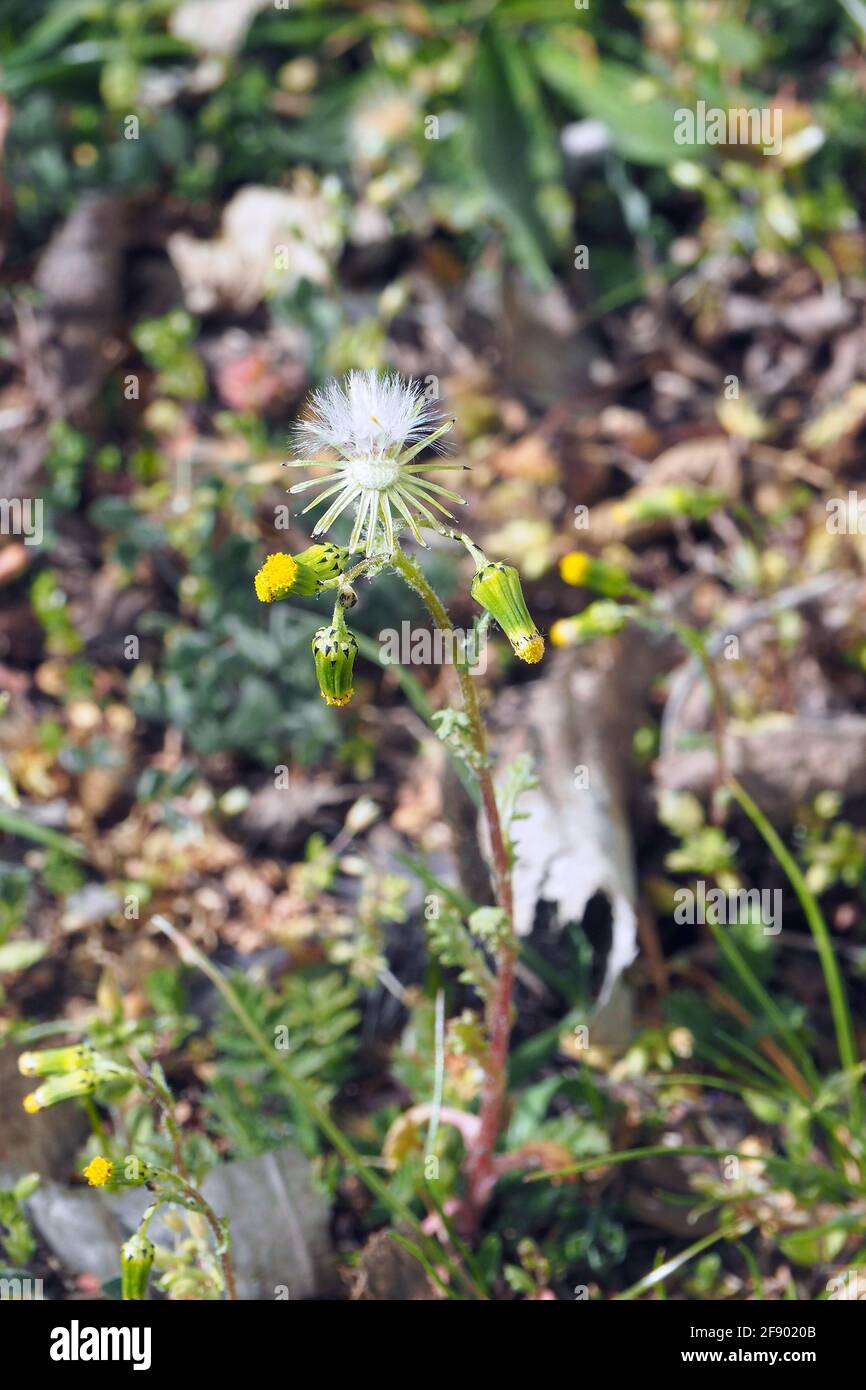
[376,425]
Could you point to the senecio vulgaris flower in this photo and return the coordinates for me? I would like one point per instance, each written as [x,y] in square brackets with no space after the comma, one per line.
[71,1072]
[54,1061]
[98,1171]
[302,574]
[334,652]
[603,618]
[585,571]
[65,1087]
[376,426]
[373,427]
[136,1261]
[497,588]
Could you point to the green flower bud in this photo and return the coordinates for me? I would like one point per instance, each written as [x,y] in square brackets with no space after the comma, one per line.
[674,499]
[136,1261]
[326,560]
[53,1060]
[497,588]
[601,619]
[578,568]
[334,652]
[75,1083]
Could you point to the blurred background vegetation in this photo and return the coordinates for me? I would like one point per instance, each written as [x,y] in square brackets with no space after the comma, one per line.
[207,207]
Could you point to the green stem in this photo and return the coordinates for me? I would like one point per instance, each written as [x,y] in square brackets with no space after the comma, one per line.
[95,1122]
[664,1271]
[414,692]
[302,1093]
[845,1039]
[221,1239]
[793,1167]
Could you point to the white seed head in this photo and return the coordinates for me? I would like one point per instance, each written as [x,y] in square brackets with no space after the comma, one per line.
[376,425]
[369,416]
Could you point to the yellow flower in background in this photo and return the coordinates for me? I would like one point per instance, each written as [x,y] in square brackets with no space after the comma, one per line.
[584,570]
[560,632]
[64,1087]
[603,618]
[573,569]
[52,1061]
[98,1171]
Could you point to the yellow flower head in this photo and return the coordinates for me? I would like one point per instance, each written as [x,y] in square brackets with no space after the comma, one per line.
[573,567]
[496,587]
[561,632]
[66,1086]
[529,649]
[612,580]
[603,618]
[98,1171]
[276,578]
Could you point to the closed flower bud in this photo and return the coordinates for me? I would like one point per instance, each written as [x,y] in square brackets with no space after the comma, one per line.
[51,1092]
[601,619]
[334,652]
[497,588]
[282,575]
[51,1061]
[136,1262]
[581,569]
[674,499]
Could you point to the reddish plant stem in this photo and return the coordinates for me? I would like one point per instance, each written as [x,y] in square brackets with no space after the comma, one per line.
[480,1166]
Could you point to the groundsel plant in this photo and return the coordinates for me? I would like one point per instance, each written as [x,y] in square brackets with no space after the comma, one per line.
[372,429]
[199,1264]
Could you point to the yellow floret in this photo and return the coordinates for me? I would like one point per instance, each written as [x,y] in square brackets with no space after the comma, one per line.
[276,577]
[529,649]
[338,700]
[561,632]
[98,1171]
